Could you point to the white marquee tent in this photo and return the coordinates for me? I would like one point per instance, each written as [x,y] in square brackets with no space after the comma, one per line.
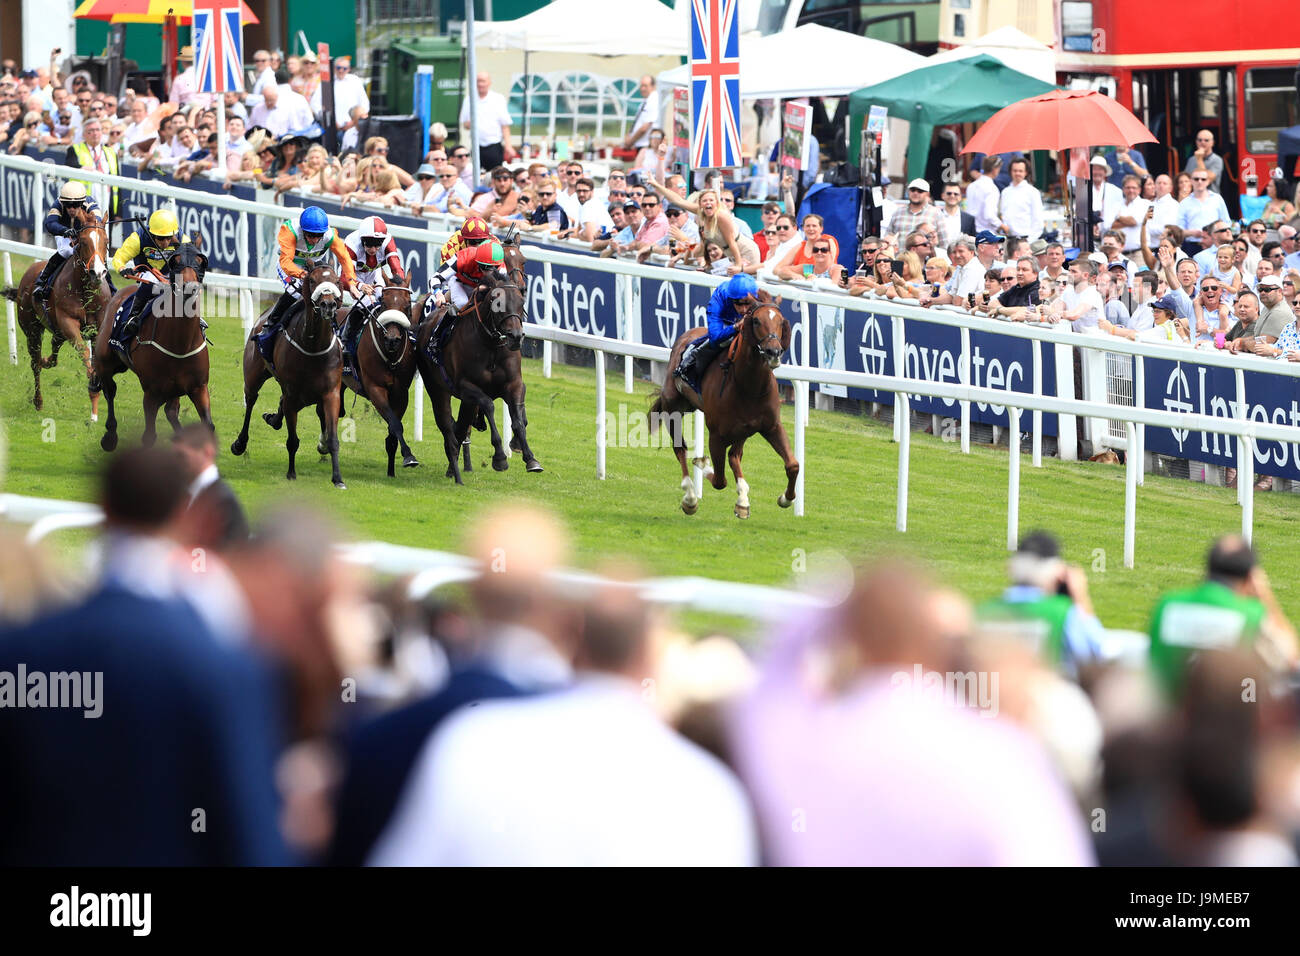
[1017,50]
[811,60]
[599,27]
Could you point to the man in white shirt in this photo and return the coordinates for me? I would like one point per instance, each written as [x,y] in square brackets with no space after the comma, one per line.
[1166,209]
[1256,232]
[1290,247]
[349,91]
[271,114]
[1054,270]
[1021,206]
[235,141]
[967,275]
[593,213]
[300,112]
[1083,306]
[647,116]
[265,77]
[451,185]
[1128,221]
[493,136]
[1198,211]
[589,776]
[982,196]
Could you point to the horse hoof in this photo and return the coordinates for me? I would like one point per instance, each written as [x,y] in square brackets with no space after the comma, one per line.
[410,461]
[322,450]
[109,441]
[784,502]
[500,464]
[237,446]
[534,466]
[340,485]
[742,511]
[690,507]
[291,475]
[514,444]
[451,474]
[94,416]
[272,419]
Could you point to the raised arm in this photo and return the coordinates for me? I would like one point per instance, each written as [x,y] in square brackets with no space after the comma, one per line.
[673,197]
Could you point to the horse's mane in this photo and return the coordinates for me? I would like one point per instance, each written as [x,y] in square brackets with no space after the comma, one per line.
[84,217]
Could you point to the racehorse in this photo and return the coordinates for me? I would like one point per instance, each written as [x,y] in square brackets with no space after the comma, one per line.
[78,294]
[480,363]
[308,365]
[739,398]
[170,352]
[386,366]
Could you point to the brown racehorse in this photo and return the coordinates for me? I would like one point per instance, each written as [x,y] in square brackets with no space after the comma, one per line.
[480,363]
[170,352]
[78,295]
[386,360]
[308,366]
[738,400]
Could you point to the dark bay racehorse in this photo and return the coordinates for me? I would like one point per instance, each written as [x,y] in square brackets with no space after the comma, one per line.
[480,363]
[308,365]
[386,363]
[738,399]
[169,354]
[79,293]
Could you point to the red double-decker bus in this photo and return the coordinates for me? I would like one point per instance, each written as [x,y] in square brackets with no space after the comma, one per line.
[1181,67]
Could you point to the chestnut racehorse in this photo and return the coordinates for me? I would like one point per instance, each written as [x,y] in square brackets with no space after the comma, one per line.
[308,365]
[739,398]
[386,364]
[78,295]
[169,353]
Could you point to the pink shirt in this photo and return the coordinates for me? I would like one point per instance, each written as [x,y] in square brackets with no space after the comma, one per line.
[653,230]
[183,90]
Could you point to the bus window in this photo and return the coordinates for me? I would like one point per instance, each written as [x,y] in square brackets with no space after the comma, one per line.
[1270,106]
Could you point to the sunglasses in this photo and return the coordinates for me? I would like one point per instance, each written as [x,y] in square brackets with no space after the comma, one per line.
[1200,179]
[870,252]
[784,228]
[547,195]
[1257,229]
[372,243]
[460,155]
[617,192]
[648,203]
[1209,288]
[425,176]
[769,232]
[446,175]
[380,149]
[1007,279]
[817,249]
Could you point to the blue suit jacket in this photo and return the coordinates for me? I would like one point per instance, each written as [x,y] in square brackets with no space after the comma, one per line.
[187,724]
[382,752]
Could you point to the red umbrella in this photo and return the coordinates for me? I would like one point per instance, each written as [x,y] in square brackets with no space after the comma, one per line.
[1059,120]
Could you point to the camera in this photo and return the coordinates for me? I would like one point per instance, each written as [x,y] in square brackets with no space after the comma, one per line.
[634,179]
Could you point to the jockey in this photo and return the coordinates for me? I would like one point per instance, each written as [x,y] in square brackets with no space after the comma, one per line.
[724,312]
[58,223]
[147,248]
[462,275]
[371,247]
[303,247]
[474,232]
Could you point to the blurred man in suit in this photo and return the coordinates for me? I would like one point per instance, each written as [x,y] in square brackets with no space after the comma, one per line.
[186,729]
[216,516]
[523,645]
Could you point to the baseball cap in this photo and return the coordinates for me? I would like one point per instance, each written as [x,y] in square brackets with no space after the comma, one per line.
[984,237]
[1099,258]
[674,210]
[1166,302]
[1270,282]
[631,204]
[919,184]
[426,169]
[1038,247]
[1120,266]
[1099,160]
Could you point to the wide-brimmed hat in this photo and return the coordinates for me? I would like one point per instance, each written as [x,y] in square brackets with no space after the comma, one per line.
[257,140]
[187,53]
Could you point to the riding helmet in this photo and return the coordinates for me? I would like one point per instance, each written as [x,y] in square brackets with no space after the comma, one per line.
[72,192]
[314,220]
[475,230]
[163,223]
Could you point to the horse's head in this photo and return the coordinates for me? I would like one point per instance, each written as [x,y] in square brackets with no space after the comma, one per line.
[514,259]
[394,326]
[92,242]
[502,307]
[396,297]
[187,263]
[321,289]
[768,329]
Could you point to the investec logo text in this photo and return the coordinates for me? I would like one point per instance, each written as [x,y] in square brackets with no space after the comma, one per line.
[578,306]
[1179,398]
[939,365]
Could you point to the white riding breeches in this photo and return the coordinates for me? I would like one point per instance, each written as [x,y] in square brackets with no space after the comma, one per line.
[458,292]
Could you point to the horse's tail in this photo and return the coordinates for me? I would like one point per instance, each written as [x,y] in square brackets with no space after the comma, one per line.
[655,415]
[11,294]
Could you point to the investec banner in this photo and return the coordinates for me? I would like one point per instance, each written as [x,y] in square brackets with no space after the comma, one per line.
[218,227]
[1185,386]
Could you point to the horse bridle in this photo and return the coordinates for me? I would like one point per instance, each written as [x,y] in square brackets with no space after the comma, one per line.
[495,337]
[309,302]
[90,282]
[372,320]
[748,319]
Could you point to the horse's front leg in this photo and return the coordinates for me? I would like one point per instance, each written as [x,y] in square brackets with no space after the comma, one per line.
[151,406]
[742,486]
[780,442]
[476,398]
[519,425]
[173,412]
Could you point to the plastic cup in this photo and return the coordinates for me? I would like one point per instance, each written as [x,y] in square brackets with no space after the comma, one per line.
[807,270]
[1220,340]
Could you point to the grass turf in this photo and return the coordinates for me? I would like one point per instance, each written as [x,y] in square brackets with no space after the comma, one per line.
[956,523]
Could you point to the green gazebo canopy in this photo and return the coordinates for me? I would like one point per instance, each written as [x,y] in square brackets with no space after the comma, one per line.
[960,91]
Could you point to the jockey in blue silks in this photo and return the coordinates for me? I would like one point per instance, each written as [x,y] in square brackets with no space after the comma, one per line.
[727,305]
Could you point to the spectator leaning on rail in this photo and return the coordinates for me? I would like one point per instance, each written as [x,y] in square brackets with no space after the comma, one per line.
[1084,308]
[1142,318]
[1018,302]
[1260,321]
[1233,607]
[1047,606]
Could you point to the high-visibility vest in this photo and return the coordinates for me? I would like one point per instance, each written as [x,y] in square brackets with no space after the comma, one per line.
[1208,616]
[1039,624]
[87,161]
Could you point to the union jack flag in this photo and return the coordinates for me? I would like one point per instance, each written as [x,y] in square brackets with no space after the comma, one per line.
[218,45]
[715,84]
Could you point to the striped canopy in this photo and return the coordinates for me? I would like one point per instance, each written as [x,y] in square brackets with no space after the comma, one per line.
[147,11]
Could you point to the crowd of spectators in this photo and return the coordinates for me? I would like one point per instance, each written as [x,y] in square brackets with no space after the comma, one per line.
[302,711]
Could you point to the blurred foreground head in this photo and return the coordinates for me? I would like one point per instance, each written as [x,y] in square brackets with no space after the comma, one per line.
[1230,561]
[1037,561]
[517,547]
[143,490]
[891,619]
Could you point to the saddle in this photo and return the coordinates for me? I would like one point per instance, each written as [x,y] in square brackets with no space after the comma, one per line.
[116,340]
[266,342]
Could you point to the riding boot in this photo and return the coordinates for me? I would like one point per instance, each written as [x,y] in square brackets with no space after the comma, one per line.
[138,305]
[45,281]
[273,320]
[352,331]
[696,361]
